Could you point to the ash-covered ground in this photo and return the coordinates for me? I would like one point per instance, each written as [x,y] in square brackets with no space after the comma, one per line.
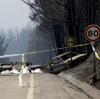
[85,71]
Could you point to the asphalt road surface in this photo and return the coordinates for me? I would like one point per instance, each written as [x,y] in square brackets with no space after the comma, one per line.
[9,88]
[45,86]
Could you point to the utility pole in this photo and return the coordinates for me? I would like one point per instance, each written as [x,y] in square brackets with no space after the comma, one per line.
[93,3]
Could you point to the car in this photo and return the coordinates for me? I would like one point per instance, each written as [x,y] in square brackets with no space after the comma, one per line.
[64,61]
[6,66]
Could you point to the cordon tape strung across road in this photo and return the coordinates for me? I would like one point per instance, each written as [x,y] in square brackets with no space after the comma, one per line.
[96,54]
[42,51]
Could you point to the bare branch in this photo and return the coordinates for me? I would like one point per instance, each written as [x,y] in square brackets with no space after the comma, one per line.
[58,2]
[28,3]
[32,6]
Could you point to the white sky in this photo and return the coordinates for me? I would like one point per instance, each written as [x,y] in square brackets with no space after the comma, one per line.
[13,14]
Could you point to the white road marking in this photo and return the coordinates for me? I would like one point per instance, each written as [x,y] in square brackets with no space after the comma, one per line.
[30,94]
[20,79]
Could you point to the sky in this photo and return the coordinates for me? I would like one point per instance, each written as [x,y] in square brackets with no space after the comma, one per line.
[13,14]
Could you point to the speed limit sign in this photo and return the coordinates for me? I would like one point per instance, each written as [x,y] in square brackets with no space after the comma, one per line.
[92,33]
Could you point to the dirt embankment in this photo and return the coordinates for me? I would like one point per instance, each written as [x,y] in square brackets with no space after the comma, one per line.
[85,71]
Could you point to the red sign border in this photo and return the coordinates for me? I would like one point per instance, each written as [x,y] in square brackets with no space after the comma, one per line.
[89,26]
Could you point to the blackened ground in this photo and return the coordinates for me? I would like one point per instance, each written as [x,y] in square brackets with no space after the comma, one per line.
[85,71]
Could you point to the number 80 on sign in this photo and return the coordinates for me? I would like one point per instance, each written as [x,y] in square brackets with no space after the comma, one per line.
[92,33]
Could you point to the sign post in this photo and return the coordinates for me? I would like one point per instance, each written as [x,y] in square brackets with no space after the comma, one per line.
[92,34]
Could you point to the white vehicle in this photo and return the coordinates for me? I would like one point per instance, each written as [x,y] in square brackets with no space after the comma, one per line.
[64,61]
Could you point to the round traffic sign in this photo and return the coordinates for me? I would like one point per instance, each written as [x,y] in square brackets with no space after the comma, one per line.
[92,33]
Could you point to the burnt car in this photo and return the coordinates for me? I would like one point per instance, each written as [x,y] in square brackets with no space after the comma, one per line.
[64,61]
[33,67]
[5,66]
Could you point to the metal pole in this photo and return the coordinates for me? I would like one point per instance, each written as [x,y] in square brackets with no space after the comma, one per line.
[21,72]
[94,70]
[23,58]
[94,66]
[92,5]
[71,53]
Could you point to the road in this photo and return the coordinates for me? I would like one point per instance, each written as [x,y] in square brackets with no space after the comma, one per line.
[9,88]
[44,86]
